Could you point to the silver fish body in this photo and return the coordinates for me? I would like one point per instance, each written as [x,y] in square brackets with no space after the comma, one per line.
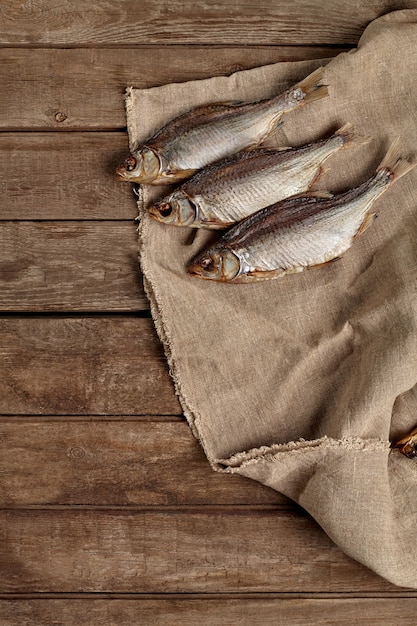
[297,233]
[231,189]
[211,132]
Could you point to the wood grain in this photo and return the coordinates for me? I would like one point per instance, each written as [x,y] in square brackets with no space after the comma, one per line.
[83,366]
[114,464]
[103,489]
[126,22]
[179,611]
[64,176]
[86,86]
[70,266]
[189,550]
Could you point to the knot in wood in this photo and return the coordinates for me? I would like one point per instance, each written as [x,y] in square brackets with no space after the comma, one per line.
[60,116]
[76,453]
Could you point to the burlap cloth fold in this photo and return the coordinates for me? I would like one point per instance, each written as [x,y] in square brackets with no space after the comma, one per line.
[301,382]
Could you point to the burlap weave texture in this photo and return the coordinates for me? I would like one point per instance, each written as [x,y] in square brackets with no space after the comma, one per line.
[302,382]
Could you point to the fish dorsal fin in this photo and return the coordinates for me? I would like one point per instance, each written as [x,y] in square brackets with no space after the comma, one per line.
[257,146]
[229,103]
[318,194]
[251,148]
[366,223]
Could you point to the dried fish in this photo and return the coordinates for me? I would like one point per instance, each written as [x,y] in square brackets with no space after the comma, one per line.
[299,232]
[227,191]
[211,132]
[408,444]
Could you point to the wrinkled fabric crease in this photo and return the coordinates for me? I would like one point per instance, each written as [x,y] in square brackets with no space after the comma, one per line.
[301,383]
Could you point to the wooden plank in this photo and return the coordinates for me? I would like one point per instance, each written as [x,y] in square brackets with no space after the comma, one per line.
[70,266]
[180,611]
[182,550]
[114,464]
[83,88]
[171,21]
[83,366]
[63,176]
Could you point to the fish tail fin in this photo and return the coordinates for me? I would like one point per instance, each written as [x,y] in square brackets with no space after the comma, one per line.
[394,164]
[310,89]
[348,136]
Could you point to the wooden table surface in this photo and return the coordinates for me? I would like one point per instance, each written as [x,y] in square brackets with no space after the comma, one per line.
[110,513]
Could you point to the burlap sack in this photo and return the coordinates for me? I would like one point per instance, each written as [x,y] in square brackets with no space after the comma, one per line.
[301,382]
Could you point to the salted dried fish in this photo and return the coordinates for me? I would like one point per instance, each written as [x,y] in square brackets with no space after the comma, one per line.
[211,132]
[227,191]
[408,444]
[299,232]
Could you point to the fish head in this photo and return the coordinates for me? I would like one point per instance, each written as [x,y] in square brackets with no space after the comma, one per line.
[219,264]
[175,209]
[143,167]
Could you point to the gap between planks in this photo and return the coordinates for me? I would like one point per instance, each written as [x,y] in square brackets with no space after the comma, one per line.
[286,48]
[164,509]
[224,595]
[12,418]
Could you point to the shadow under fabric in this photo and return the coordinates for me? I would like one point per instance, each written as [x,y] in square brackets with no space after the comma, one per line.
[301,382]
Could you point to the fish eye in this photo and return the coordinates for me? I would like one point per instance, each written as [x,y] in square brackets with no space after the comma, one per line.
[165,210]
[129,163]
[207,264]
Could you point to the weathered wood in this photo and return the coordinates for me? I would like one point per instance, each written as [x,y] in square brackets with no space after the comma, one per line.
[83,88]
[70,266]
[182,527]
[179,611]
[83,366]
[64,176]
[122,22]
[114,464]
[185,550]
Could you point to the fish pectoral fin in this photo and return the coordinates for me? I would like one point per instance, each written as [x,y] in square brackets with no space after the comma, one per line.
[274,125]
[178,175]
[336,258]
[369,219]
[251,147]
[214,224]
[259,275]
[321,170]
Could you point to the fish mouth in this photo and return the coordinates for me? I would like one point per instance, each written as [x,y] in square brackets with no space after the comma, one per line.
[140,179]
[121,173]
[194,270]
[153,211]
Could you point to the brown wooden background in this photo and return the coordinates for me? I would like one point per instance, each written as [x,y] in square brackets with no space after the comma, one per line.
[110,513]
